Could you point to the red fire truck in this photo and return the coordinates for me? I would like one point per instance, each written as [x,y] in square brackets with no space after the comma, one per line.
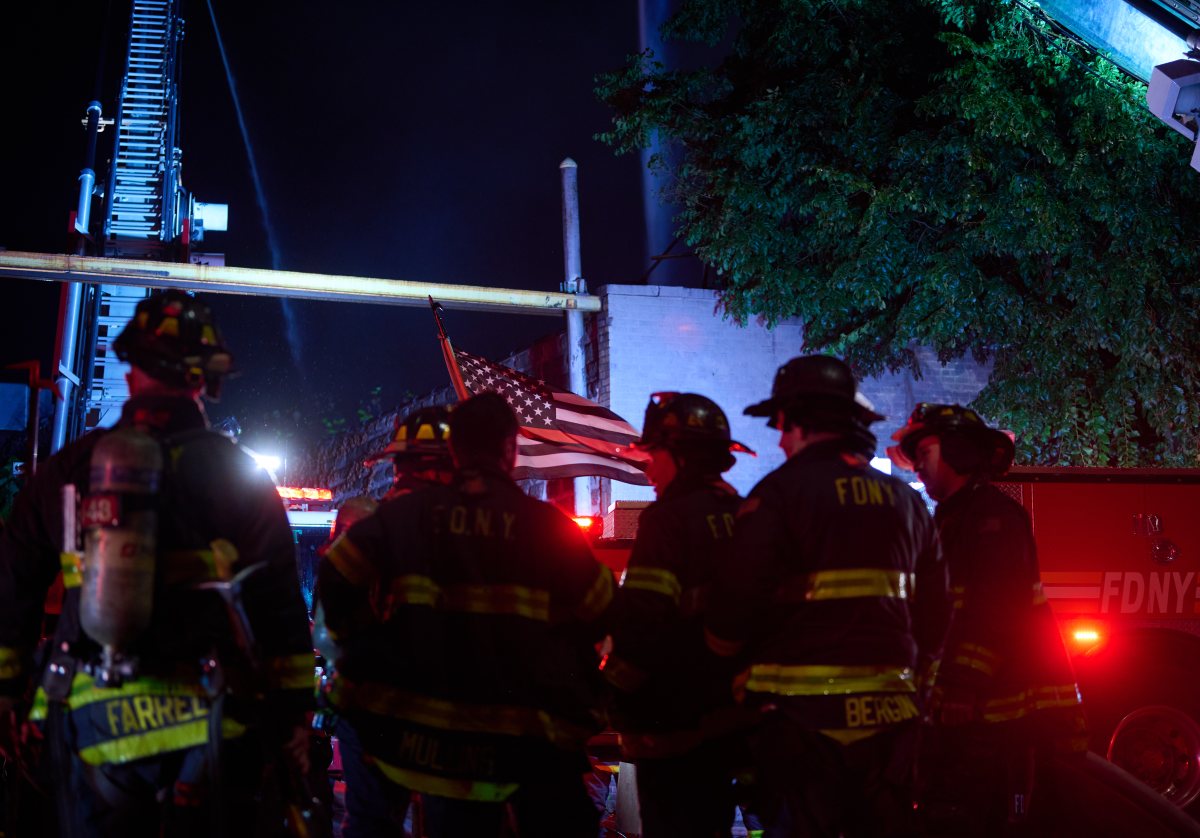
[1119,551]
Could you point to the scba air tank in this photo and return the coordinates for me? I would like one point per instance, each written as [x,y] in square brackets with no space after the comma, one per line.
[120,526]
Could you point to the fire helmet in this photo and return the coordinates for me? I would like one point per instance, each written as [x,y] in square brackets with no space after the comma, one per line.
[967,441]
[674,419]
[423,433]
[173,338]
[816,383]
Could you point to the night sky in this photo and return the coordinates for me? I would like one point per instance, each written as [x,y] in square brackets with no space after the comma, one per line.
[413,141]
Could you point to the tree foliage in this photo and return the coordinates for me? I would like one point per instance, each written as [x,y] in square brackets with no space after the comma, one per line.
[943,173]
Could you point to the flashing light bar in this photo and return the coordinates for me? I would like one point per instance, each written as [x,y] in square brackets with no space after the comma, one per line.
[303,493]
[1085,638]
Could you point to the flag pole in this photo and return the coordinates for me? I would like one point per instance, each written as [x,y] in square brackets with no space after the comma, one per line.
[460,389]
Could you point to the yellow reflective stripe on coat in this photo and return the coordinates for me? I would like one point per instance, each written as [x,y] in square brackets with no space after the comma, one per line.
[443,787]
[1039,594]
[851,583]
[1029,701]
[139,745]
[10,662]
[976,657]
[72,569]
[958,595]
[84,690]
[412,589]
[351,563]
[515,600]
[292,672]
[779,679]
[183,567]
[504,720]
[598,597]
[656,580]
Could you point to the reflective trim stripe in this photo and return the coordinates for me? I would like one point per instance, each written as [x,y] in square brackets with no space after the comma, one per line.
[412,589]
[351,563]
[10,662]
[127,748]
[598,597]
[849,737]
[1039,594]
[1029,701]
[72,569]
[443,787]
[292,672]
[514,600]
[623,675]
[828,680]
[958,595]
[503,720]
[976,657]
[653,579]
[181,567]
[41,704]
[84,690]
[848,583]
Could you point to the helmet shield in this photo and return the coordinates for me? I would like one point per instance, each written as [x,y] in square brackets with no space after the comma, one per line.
[421,434]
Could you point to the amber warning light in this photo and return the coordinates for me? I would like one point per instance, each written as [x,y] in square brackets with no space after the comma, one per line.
[303,493]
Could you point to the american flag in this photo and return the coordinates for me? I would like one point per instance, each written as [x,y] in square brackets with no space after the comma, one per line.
[562,434]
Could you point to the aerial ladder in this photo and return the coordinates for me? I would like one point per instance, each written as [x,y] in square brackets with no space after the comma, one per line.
[147,214]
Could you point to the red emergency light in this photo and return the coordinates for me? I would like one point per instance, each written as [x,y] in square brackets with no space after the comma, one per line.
[590,525]
[1084,637]
[303,493]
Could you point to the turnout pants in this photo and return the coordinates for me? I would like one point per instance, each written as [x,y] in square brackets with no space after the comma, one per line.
[812,785]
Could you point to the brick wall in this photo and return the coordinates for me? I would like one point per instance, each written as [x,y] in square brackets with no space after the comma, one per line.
[652,338]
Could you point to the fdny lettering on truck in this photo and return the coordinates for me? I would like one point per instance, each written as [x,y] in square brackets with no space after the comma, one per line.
[1156,593]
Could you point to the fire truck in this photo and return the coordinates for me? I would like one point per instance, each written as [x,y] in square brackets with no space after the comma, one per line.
[1119,551]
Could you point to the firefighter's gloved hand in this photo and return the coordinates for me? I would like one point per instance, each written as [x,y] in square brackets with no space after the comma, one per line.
[954,706]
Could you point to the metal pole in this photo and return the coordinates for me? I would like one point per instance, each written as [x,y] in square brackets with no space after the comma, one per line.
[573,283]
[64,375]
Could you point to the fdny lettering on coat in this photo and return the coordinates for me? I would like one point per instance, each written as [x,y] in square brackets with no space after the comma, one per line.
[480,522]
[721,525]
[143,713]
[864,491]
[1153,593]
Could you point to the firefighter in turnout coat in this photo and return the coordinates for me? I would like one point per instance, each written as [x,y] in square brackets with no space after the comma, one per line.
[140,695]
[837,594]
[1005,695]
[478,684]
[676,714]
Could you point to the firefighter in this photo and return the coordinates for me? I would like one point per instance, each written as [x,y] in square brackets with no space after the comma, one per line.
[677,718]
[1005,696]
[145,667]
[836,592]
[479,686]
[420,455]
